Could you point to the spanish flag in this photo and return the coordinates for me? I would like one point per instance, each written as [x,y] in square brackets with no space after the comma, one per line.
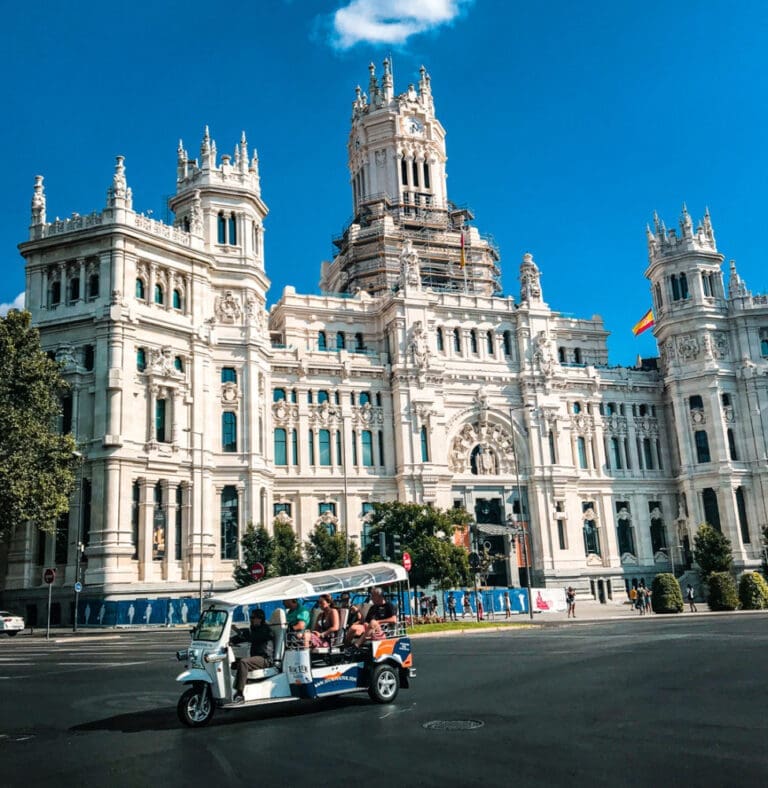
[463,259]
[645,322]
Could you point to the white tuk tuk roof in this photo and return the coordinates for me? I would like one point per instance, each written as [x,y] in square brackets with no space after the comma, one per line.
[331,581]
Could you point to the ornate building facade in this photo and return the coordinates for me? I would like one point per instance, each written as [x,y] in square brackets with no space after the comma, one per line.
[411,378]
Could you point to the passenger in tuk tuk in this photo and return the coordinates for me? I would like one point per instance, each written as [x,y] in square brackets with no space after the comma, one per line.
[380,613]
[327,624]
[354,616]
[297,619]
[261,637]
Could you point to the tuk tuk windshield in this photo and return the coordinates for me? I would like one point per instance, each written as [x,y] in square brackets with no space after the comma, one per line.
[211,625]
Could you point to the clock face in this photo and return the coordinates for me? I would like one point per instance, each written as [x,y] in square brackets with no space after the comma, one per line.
[414,126]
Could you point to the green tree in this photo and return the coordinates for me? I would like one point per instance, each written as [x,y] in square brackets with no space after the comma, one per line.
[711,551]
[329,551]
[425,532]
[37,464]
[666,596]
[257,547]
[286,552]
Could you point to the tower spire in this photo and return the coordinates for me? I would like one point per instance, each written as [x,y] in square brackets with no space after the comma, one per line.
[38,202]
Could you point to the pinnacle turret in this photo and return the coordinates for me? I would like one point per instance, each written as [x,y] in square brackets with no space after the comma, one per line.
[663,242]
[119,194]
[38,202]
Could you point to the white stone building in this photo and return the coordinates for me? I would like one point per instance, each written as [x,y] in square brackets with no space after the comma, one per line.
[411,378]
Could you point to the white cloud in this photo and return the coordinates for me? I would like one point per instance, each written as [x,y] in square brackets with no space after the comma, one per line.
[391,21]
[18,303]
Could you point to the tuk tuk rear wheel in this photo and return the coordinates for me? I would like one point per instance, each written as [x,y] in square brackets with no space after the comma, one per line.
[195,707]
[385,683]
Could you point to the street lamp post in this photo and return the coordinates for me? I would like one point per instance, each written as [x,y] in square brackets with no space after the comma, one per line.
[78,543]
[519,529]
[197,437]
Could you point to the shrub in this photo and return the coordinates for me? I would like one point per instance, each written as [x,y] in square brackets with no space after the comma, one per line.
[753,591]
[722,592]
[666,596]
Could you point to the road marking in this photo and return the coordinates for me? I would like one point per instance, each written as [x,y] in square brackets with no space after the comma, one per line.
[100,664]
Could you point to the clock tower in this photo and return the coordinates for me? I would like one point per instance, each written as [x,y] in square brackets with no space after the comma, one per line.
[396,156]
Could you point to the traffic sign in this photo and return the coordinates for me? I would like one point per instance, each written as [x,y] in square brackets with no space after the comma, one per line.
[407,562]
[257,571]
[78,587]
[49,575]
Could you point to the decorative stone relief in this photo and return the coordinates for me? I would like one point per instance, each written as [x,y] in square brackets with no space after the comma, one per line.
[410,273]
[284,518]
[229,393]
[698,417]
[688,347]
[324,413]
[544,354]
[720,344]
[284,412]
[494,449]
[381,158]
[227,308]
[65,355]
[327,518]
[366,415]
[196,215]
[161,362]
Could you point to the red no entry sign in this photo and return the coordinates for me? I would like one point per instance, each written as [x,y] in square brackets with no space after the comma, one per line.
[407,562]
[49,575]
[257,571]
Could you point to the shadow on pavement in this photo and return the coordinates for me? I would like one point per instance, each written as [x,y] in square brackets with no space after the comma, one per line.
[165,719]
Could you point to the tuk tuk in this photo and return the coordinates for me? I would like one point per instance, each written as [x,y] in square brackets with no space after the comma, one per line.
[297,671]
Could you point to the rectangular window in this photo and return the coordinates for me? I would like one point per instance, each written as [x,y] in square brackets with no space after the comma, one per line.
[367,444]
[702,446]
[354,447]
[552,454]
[616,453]
[581,449]
[561,534]
[135,508]
[178,515]
[732,446]
[324,446]
[158,524]
[327,506]
[339,456]
[160,420]
[366,535]
[294,447]
[711,507]
[648,454]
[229,523]
[62,539]
[281,507]
[381,448]
[658,531]
[311,447]
[280,447]
[741,508]
[228,431]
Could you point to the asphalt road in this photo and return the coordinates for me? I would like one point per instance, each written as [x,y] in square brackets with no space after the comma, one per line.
[662,701]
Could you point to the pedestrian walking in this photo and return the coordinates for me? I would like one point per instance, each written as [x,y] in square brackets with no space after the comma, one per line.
[570,598]
[452,607]
[466,605]
[648,608]
[507,605]
[690,596]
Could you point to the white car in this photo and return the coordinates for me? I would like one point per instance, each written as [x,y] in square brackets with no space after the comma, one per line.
[10,624]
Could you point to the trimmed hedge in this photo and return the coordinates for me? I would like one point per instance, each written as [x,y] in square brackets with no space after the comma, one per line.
[722,592]
[753,591]
[666,596]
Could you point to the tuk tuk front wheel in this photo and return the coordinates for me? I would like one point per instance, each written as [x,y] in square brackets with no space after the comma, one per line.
[384,683]
[195,707]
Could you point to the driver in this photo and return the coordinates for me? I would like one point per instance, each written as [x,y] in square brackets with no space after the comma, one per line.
[261,637]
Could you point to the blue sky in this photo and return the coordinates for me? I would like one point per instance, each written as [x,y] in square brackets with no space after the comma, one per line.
[568,123]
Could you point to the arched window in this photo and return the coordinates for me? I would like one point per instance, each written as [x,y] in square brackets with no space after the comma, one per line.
[367,443]
[228,431]
[278,395]
[159,294]
[324,446]
[378,399]
[764,342]
[426,175]
[364,398]
[281,456]
[577,355]
[561,355]
[675,287]
[141,359]
[322,396]
[741,509]
[228,375]
[473,341]
[424,445]
[178,364]
[507,343]
[732,446]
[229,521]
[683,286]
[359,342]
[341,342]
[222,228]
[185,224]
[440,341]
[711,507]
[321,341]
[702,446]
[616,454]
[576,408]
[457,340]
[74,288]
[140,290]
[489,342]
[93,286]
[233,230]
[695,402]
[177,299]
[56,294]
